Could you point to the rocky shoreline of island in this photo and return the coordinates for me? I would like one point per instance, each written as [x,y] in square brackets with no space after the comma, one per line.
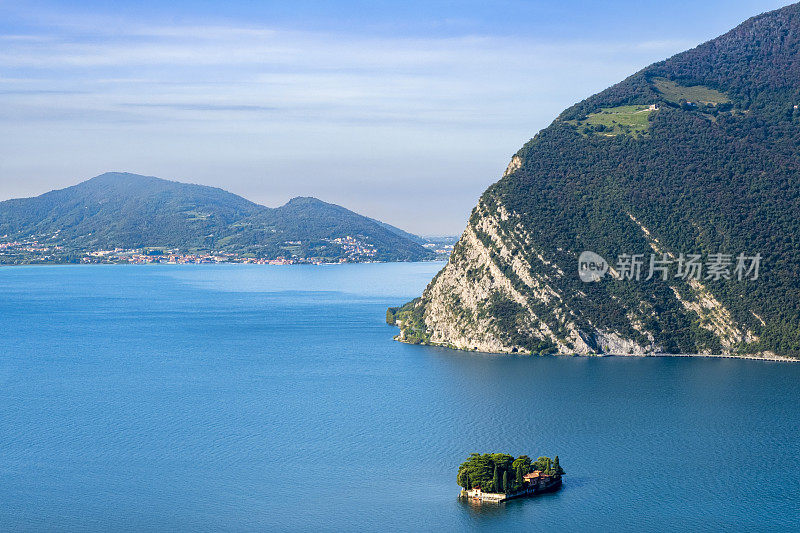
[764,356]
[424,340]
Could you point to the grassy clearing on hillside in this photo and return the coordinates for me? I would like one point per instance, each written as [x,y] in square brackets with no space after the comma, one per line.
[676,93]
[197,215]
[622,120]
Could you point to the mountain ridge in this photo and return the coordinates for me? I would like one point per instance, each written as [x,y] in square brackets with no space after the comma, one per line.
[696,154]
[126,210]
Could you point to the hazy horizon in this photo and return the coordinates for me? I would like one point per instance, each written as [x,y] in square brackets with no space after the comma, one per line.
[404,113]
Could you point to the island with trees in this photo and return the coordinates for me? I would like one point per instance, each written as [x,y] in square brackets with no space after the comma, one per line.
[497,477]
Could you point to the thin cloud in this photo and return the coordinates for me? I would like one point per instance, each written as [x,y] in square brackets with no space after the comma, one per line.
[251,105]
[202,107]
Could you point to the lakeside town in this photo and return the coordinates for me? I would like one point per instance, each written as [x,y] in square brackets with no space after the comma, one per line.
[34,251]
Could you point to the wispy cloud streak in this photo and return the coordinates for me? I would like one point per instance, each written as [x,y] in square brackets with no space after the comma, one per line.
[260,102]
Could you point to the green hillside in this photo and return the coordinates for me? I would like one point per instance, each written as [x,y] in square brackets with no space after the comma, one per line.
[625,119]
[122,210]
[712,167]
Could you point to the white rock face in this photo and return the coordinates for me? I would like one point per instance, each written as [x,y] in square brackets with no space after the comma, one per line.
[458,302]
[513,166]
[714,317]
[500,294]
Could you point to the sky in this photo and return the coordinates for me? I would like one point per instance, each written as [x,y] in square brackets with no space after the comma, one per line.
[402,111]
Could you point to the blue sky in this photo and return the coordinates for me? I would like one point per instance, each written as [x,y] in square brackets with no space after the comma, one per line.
[404,111]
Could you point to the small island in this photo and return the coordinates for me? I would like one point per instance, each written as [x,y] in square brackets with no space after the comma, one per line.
[496,477]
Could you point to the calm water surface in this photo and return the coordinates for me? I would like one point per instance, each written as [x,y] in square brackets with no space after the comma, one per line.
[238,397]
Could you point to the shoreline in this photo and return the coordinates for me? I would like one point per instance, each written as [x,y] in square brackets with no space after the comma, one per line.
[11,265]
[771,357]
[756,357]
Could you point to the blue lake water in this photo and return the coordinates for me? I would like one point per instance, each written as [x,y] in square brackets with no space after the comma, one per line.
[238,397]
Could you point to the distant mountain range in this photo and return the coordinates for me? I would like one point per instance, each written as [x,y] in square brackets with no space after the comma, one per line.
[127,211]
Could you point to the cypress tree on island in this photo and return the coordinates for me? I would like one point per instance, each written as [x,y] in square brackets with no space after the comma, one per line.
[498,477]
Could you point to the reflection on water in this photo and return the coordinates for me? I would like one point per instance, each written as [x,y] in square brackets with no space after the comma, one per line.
[482,508]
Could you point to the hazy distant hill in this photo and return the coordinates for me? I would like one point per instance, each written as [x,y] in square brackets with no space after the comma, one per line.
[402,233]
[131,211]
[697,154]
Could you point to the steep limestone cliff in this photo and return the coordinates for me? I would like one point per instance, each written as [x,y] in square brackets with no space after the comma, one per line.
[693,155]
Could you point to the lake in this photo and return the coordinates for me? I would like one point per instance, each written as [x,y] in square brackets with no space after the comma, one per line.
[247,397]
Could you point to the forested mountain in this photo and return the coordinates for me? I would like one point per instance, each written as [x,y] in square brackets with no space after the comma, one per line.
[698,154]
[122,210]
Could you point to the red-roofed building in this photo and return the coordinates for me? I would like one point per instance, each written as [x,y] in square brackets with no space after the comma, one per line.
[537,478]
[532,476]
